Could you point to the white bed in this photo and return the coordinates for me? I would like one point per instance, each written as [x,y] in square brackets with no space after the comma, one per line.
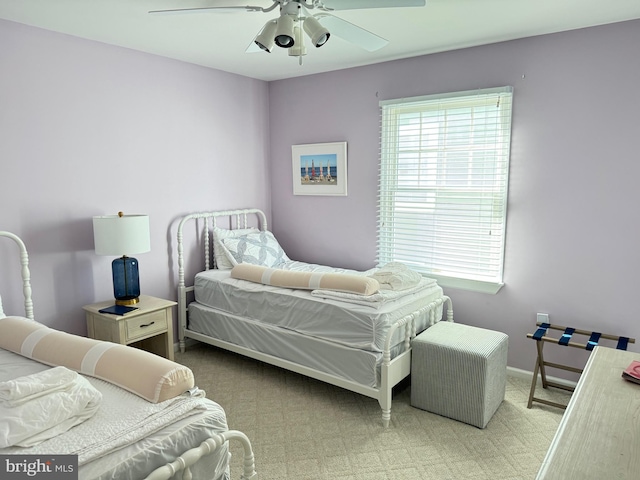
[357,342]
[128,437]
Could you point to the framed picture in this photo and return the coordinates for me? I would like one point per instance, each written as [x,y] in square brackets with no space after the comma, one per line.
[320,169]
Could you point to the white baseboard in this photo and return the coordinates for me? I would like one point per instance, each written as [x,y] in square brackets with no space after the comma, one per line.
[527,375]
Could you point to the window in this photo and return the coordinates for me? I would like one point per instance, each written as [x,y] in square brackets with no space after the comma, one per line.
[444,170]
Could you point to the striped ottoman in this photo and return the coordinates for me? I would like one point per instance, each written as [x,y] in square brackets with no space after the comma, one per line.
[459,371]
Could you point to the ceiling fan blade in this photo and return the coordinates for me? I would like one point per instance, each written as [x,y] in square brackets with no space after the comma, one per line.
[359,4]
[176,11]
[253,48]
[351,33]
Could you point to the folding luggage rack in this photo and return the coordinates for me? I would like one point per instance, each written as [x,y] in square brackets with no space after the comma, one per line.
[566,339]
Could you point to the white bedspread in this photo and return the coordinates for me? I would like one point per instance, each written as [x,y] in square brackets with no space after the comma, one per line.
[122,419]
[36,407]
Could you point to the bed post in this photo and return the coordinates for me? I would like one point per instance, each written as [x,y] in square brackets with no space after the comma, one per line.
[386,387]
[392,373]
[26,274]
[182,294]
[447,300]
[207,248]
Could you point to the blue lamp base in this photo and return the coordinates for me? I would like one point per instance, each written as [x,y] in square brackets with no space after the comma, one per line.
[126,280]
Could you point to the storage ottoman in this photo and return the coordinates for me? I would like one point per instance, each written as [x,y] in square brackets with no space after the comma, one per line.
[459,371]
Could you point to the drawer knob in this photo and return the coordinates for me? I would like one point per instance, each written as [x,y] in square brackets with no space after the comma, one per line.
[146,324]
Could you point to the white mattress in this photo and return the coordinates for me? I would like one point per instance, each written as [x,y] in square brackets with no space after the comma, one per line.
[353,325]
[328,335]
[137,460]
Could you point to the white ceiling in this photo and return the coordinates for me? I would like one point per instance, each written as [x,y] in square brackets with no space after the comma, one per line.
[219,40]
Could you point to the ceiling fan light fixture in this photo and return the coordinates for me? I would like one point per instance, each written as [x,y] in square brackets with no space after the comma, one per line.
[317,33]
[265,39]
[284,34]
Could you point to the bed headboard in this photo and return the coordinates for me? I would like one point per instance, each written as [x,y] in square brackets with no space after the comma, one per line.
[26,275]
[229,219]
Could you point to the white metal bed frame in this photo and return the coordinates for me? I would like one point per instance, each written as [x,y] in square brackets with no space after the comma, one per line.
[392,370]
[188,458]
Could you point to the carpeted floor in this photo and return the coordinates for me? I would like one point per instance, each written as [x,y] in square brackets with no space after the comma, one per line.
[302,429]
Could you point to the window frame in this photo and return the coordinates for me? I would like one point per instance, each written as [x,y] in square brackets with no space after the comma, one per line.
[493,195]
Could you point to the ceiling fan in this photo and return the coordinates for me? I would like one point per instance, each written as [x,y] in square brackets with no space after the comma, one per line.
[285,31]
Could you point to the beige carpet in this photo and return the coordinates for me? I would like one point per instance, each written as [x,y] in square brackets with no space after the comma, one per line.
[304,429]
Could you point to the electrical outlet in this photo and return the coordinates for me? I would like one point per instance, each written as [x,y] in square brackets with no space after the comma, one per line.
[542,317]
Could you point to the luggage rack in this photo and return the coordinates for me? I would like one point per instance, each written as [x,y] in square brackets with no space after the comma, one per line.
[566,339]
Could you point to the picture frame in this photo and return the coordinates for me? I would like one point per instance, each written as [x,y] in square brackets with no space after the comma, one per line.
[320,169]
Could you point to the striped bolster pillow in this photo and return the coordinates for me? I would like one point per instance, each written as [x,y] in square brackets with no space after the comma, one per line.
[149,376]
[339,282]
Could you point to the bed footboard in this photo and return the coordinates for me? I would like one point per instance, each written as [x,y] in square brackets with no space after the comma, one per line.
[392,371]
[190,457]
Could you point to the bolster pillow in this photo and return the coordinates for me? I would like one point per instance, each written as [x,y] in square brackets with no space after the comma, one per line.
[149,376]
[339,282]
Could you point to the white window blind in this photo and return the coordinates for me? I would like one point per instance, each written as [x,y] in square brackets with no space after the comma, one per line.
[444,174]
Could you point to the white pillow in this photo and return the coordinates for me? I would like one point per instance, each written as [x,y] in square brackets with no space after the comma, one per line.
[256,248]
[222,262]
[2,315]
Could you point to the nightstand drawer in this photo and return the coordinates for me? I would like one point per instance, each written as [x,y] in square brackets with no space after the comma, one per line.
[144,325]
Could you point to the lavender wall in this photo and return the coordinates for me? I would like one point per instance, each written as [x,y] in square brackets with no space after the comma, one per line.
[572,230]
[90,129]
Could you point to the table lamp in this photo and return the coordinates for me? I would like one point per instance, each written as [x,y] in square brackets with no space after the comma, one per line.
[123,235]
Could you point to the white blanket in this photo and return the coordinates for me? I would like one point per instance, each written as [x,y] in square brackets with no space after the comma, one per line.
[43,405]
[396,276]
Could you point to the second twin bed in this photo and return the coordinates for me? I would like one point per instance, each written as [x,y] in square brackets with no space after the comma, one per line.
[358,342]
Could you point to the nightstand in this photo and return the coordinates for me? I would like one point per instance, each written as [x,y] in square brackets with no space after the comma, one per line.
[150,327]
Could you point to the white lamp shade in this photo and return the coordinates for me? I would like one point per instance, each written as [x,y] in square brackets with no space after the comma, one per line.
[121,235]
